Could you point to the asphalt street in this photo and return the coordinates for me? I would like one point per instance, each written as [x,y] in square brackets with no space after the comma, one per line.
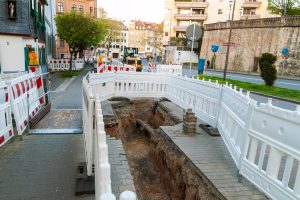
[284,83]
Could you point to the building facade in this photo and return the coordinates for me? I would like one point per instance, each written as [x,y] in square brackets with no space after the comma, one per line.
[119,43]
[181,13]
[22,27]
[88,7]
[143,35]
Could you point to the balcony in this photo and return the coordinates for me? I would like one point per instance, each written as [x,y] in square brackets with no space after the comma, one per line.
[252,16]
[180,28]
[251,4]
[190,17]
[187,4]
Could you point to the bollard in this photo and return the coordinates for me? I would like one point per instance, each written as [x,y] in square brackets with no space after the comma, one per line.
[128,195]
[107,196]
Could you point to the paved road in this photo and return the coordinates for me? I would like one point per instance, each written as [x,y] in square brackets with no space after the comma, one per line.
[285,83]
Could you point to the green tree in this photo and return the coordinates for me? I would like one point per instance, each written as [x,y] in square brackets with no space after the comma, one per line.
[267,68]
[278,7]
[79,31]
[154,38]
[113,33]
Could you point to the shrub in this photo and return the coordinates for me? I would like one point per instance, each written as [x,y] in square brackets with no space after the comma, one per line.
[267,68]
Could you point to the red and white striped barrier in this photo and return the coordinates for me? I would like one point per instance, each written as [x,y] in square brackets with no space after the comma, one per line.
[37,71]
[64,64]
[107,67]
[24,97]
[6,129]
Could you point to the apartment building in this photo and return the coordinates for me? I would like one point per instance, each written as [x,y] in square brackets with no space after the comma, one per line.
[142,35]
[88,7]
[25,25]
[181,13]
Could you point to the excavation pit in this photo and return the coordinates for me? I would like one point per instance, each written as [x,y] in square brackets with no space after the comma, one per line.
[160,170]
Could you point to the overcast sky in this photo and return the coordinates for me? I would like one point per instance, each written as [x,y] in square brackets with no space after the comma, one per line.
[146,10]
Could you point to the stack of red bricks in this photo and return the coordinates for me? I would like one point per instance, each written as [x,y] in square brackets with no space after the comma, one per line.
[189,122]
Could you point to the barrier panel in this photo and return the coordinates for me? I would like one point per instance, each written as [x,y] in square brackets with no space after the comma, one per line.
[64,64]
[87,125]
[95,144]
[6,129]
[173,69]
[273,151]
[24,98]
[263,140]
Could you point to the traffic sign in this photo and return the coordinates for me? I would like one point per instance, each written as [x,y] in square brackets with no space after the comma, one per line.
[214,48]
[193,32]
[285,51]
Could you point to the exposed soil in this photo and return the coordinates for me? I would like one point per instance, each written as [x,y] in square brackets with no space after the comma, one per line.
[160,170]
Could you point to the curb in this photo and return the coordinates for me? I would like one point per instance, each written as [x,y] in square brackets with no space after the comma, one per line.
[278,98]
[257,75]
[64,85]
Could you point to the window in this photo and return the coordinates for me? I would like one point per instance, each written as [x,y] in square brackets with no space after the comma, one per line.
[81,9]
[91,11]
[220,11]
[61,43]
[60,7]
[74,7]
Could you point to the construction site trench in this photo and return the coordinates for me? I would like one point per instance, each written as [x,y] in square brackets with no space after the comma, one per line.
[161,171]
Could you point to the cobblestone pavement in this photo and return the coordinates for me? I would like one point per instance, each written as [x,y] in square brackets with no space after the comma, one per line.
[44,167]
[121,177]
[41,168]
[211,156]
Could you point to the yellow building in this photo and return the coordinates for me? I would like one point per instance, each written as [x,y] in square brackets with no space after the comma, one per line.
[140,34]
[181,13]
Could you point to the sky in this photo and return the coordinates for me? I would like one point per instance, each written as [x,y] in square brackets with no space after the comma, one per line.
[146,10]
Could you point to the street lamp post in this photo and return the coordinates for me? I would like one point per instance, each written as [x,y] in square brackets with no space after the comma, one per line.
[229,40]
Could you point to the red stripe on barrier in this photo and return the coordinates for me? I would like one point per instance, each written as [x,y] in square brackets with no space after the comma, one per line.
[115,69]
[32,69]
[13,92]
[10,132]
[18,90]
[31,83]
[42,100]
[1,139]
[6,97]
[39,82]
[109,68]
[25,122]
[23,87]
[127,69]
[101,70]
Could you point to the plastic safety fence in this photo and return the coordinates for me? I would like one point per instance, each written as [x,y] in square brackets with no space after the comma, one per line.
[37,71]
[64,64]
[6,128]
[109,67]
[24,100]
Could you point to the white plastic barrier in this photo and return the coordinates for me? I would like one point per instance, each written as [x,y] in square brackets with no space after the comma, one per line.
[88,119]
[19,89]
[173,69]
[95,145]
[79,64]
[6,129]
[102,166]
[263,140]
[273,151]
